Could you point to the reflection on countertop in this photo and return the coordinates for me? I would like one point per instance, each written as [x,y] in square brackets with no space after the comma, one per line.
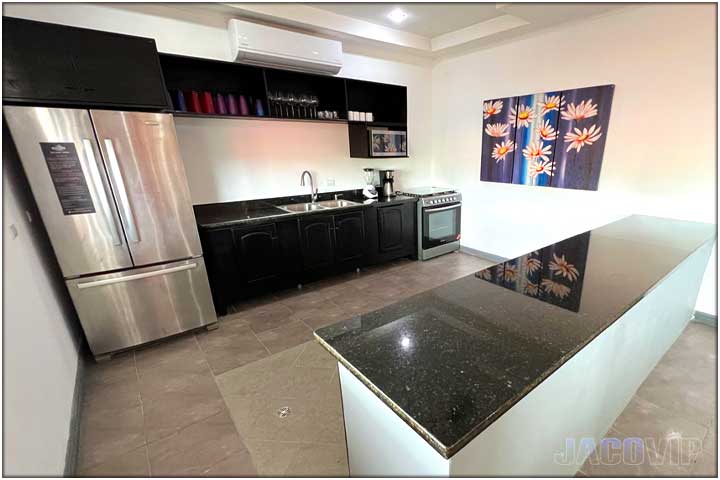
[451,360]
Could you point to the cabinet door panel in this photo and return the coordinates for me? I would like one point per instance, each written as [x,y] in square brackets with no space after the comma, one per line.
[318,246]
[258,254]
[391,228]
[349,237]
[222,268]
[51,63]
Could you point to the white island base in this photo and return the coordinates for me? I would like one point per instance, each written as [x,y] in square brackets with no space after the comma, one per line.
[580,400]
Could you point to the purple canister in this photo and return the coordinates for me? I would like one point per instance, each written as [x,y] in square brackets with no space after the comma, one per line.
[220,106]
[232,105]
[244,109]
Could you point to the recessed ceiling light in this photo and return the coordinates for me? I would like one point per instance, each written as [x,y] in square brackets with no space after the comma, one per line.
[397,16]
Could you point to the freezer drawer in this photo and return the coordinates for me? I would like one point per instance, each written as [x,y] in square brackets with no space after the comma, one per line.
[125,309]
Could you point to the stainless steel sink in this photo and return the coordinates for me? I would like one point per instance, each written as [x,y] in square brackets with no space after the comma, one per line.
[302,207]
[337,203]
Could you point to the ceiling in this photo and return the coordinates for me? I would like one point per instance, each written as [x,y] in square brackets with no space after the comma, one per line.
[432,30]
[426,19]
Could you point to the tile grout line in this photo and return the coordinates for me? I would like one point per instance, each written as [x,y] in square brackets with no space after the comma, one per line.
[142,412]
[261,343]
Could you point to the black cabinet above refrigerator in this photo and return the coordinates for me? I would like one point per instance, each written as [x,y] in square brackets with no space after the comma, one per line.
[56,65]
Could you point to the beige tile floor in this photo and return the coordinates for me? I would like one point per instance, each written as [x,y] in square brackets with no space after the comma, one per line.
[258,397]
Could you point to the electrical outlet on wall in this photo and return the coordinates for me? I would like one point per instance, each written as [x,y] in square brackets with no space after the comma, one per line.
[330,182]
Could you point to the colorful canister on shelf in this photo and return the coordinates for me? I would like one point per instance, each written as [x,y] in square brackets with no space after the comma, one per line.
[244,109]
[232,104]
[193,101]
[259,110]
[206,103]
[220,106]
[178,99]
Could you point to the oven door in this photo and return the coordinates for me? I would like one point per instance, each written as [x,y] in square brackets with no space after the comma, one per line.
[440,225]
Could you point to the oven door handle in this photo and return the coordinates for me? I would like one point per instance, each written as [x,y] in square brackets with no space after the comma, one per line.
[440,209]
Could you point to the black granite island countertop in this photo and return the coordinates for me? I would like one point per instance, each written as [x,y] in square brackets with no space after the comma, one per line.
[225,214]
[452,360]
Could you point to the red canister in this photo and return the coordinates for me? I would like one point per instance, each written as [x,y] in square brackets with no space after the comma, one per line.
[193,101]
[206,103]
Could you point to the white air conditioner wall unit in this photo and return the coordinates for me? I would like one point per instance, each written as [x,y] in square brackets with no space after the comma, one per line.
[273,47]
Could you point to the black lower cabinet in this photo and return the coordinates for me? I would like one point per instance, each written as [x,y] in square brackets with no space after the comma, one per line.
[248,260]
[318,246]
[350,239]
[257,253]
[222,268]
[393,232]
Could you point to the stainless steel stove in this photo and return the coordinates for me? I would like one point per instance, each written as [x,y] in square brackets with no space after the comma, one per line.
[438,216]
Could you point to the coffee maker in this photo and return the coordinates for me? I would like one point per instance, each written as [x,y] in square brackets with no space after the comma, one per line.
[387,178]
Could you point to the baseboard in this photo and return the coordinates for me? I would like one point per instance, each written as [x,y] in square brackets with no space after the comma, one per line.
[480,253]
[705,318]
[71,453]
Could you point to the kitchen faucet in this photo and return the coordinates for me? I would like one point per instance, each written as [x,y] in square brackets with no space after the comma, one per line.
[313,190]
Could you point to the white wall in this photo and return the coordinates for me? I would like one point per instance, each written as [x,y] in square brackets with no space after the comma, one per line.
[40,353]
[243,159]
[660,154]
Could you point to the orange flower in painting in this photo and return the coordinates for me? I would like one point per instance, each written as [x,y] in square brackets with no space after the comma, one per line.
[502,149]
[584,109]
[522,117]
[546,131]
[579,139]
[497,129]
[536,151]
[550,103]
[491,108]
[540,167]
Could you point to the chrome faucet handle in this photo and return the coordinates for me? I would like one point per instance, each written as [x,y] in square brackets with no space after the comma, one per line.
[337,195]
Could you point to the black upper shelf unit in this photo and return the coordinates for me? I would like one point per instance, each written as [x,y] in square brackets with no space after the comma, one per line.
[388,103]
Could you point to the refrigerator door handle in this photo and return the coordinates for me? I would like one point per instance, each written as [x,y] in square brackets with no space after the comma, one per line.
[131,228]
[129,278]
[102,193]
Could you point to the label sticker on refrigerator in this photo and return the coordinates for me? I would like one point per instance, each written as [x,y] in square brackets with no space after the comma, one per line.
[68,178]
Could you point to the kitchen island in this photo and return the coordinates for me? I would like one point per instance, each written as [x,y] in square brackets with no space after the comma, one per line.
[497,373]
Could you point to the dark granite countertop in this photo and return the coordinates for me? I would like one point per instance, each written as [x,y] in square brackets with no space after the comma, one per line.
[452,360]
[214,215]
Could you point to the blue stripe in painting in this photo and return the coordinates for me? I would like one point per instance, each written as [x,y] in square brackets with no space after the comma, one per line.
[537,121]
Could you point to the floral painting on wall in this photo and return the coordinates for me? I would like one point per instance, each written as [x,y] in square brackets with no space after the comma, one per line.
[553,139]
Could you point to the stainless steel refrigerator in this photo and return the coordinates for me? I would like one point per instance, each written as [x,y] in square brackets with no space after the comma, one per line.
[112,193]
